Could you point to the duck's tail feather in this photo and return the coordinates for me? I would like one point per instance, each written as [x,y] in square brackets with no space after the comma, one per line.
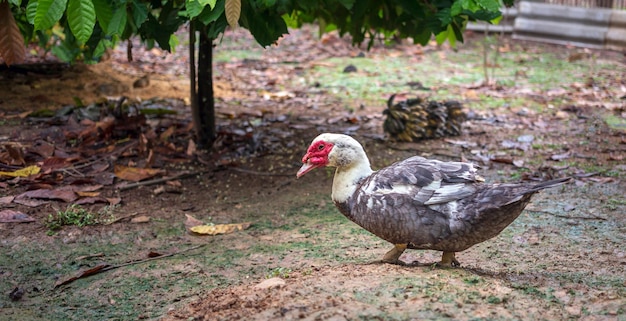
[548,184]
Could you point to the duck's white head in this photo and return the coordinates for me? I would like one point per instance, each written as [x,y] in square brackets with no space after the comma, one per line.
[335,150]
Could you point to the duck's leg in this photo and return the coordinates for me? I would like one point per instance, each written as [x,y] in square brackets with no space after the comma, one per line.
[448,260]
[393,256]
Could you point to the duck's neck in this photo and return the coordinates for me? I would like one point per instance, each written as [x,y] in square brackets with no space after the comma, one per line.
[347,178]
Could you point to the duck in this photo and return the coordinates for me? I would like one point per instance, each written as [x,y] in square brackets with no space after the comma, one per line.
[418,203]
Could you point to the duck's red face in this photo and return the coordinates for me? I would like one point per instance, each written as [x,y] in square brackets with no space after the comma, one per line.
[316,156]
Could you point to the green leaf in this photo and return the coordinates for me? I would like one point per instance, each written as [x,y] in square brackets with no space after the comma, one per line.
[441,37]
[347,3]
[489,5]
[194,8]
[118,22]
[104,13]
[496,20]
[422,37]
[63,52]
[266,26]
[211,3]
[173,42]
[15,2]
[81,16]
[444,16]
[48,13]
[101,48]
[209,15]
[456,8]
[483,15]
[470,5]
[31,11]
[140,13]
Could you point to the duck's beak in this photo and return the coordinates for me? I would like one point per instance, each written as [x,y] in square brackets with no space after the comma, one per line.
[307,167]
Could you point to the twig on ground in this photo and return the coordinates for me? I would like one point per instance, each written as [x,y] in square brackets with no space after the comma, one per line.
[89,256]
[122,218]
[107,267]
[253,172]
[157,180]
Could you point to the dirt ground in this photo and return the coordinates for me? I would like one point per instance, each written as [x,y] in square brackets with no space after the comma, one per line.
[564,258]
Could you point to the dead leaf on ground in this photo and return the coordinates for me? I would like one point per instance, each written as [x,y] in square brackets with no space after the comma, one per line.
[159,190]
[559,157]
[140,219]
[66,195]
[174,183]
[461,143]
[30,202]
[6,199]
[615,157]
[91,200]
[11,216]
[191,222]
[88,194]
[504,160]
[16,153]
[114,200]
[136,174]
[24,172]
[88,189]
[54,162]
[191,148]
[220,228]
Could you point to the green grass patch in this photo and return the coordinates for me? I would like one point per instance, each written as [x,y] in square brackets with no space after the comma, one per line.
[78,216]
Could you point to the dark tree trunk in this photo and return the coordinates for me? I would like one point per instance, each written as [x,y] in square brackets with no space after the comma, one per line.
[202,101]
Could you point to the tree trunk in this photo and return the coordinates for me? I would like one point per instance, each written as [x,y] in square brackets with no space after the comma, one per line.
[202,101]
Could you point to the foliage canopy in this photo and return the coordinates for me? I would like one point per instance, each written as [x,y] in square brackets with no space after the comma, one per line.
[83,29]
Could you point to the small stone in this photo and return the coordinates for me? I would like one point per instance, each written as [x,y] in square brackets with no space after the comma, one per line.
[349,68]
[270,284]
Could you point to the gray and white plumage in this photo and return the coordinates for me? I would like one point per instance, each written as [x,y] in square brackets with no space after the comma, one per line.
[418,203]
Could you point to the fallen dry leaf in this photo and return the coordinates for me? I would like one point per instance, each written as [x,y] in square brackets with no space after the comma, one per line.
[87,188]
[24,172]
[91,200]
[11,216]
[16,153]
[174,183]
[54,162]
[220,228]
[140,219]
[66,195]
[30,202]
[191,148]
[135,174]
[6,199]
[87,194]
[191,222]
[114,200]
[558,157]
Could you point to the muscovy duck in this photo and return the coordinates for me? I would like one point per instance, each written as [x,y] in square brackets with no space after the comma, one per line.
[418,203]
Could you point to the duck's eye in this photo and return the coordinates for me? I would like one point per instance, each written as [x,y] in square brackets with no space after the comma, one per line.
[320,147]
